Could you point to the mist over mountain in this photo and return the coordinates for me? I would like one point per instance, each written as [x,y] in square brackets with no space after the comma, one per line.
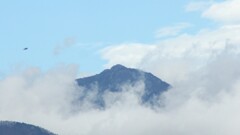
[113,79]
[17,128]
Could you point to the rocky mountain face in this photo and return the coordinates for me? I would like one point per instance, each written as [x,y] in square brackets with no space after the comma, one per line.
[112,80]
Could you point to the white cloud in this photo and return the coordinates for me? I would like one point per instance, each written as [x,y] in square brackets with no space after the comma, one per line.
[227,12]
[176,56]
[172,30]
[203,68]
[194,106]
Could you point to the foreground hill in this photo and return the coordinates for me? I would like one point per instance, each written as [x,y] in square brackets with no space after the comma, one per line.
[17,128]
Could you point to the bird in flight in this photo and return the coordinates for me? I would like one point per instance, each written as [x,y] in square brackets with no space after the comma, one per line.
[25,48]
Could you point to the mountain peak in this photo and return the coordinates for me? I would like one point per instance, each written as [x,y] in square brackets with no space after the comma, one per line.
[112,80]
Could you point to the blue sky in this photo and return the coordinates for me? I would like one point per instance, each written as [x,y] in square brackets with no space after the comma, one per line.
[89,26]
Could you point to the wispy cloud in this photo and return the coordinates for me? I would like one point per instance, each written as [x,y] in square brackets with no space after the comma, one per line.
[68,42]
[198,6]
[172,30]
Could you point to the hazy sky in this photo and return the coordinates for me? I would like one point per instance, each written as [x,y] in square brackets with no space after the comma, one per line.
[74,31]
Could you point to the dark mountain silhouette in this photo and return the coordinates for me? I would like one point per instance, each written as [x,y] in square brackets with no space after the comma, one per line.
[17,128]
[112,80]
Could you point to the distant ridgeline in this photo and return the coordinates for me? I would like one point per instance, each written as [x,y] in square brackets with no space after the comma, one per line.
[17,128]
[112,80]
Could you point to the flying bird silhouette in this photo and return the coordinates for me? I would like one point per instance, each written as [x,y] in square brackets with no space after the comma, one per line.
[25,48]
